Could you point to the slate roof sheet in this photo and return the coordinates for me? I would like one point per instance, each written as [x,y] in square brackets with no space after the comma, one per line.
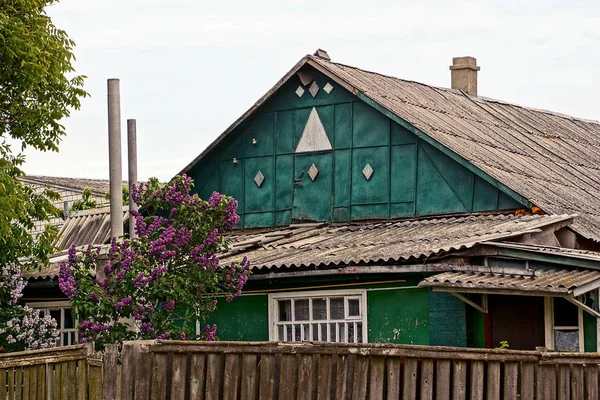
[383,242]
[552,281]
[86,227]
[551,159]
[97,186]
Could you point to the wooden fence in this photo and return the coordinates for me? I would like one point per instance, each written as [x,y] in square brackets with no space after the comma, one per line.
[72,372]
[233,370]
[175,370]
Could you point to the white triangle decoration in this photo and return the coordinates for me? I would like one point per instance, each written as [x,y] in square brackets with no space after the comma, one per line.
[314,137]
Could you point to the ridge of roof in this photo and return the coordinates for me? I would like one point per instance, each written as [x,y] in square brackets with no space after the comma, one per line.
[458,92]
[97,186]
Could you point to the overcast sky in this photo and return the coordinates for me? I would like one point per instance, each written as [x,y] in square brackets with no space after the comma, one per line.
[190,68]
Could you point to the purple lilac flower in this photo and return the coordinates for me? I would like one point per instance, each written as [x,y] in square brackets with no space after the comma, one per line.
[215,199]
[209,333]
[66,282]
[147,327]
[123,302]
[168,305]
[163,336]
[182,336]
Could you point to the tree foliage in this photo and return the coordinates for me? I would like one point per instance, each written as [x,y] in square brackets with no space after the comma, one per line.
[86,201]
[159,284]
[36,92]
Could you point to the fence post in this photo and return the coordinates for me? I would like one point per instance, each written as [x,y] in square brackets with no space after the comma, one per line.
[109,372]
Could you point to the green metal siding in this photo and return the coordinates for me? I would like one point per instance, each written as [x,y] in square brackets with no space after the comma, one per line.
[447,320]
[411,177]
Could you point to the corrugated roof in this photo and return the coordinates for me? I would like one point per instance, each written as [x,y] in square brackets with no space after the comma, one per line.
[86,227]
[552,250]
[552,282]
[97,186]
[383,242]
[551,159]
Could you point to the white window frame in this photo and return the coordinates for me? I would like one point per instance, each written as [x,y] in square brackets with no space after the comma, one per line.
[275,297]
[46,306]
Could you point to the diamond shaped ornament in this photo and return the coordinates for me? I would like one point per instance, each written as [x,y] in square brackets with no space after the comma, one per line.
[314,89]
[313,172]
[328,88]
[367,171]
[300,91]
[259,179]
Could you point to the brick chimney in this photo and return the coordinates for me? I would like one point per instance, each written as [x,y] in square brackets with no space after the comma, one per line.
[464,74]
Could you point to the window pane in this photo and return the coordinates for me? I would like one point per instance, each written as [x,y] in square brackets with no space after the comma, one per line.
[565,313]
[566,340]
[323,333]
[342,331]
[351,333]
[288,329]
[301,310]
[336,308]
[297,328]
[319,309]
[56,315]
[359,332]
[315,332]
[354,308]
[280,333]
[68,319]
[306,329]
[285,310]
[332,333]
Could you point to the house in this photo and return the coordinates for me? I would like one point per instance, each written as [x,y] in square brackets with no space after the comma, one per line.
[69,189]
[383,210]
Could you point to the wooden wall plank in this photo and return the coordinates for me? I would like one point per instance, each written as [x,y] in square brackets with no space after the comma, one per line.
[305,377]
[527,381]
[477,380]
[591,382]
[109,371]
[178,381]
[143,372]
[18,383]
[341,376]
[57,381]
[82,379]
[159,376]
[3,382]
[324,377]
[442,380]
[197,376]
[564,382]
[71,383]
[213,376]
[43,378]
[128,365]
[266,388]
[459,382]
[231,380]
[409,382]
[26,379]
[249,378]
[493,380]
[287,378]
[546,382]
[427,382]
[33,382]
[511,372]
[394,370]
[376,378]
[577,382]
[361,376]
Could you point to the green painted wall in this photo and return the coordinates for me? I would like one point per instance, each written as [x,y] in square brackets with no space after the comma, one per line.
[245,318]
[398,316]
[411,178]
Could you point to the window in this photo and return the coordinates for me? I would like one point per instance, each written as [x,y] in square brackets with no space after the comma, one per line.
[563,325]
[66,322]
[326,316]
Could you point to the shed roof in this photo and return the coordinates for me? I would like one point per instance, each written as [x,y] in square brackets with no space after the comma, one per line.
[98,186]
[555,282]
[86,227]
[552,160]
[325,246]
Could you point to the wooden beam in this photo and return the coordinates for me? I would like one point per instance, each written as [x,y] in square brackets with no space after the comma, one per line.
[482,308]
[583,307]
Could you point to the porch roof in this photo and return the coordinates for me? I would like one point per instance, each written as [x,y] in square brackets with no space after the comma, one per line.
[550,282]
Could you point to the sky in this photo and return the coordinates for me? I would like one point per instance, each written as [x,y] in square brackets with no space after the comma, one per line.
[188,69]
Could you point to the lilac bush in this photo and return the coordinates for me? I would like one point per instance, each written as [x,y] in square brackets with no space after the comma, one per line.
[158,285]
[21,327]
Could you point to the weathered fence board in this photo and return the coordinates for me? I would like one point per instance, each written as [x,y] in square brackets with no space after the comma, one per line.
[159,370]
